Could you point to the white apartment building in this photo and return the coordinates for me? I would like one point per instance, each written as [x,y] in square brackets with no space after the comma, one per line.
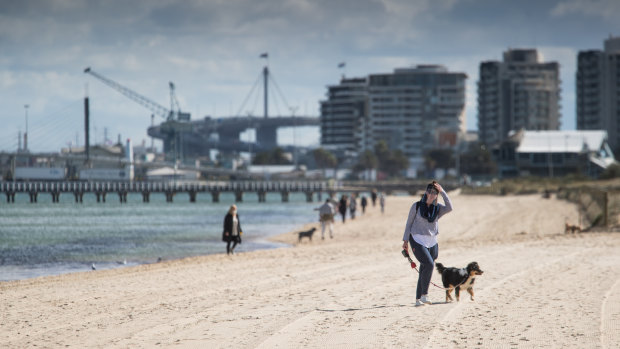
[415,110]
[519,93]
[412,109]
[343,114]
[598,90]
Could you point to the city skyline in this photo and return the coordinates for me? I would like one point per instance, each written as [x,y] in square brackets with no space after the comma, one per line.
[211,51]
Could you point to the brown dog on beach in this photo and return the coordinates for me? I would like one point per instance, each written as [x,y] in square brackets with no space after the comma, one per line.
[571,228]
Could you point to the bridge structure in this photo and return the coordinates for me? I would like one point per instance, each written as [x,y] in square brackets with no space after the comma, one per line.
[197,137]
[169,189]
[185,138]
[191,139]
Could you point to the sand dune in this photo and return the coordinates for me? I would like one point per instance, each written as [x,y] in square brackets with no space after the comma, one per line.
[541,288]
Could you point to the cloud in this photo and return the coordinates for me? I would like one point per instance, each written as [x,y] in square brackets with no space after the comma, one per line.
[210,49]
[606,9]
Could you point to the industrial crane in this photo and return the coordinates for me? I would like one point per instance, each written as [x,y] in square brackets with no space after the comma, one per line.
[176,124]
[174,113]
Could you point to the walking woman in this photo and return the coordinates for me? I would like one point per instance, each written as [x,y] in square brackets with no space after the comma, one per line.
[232,230]
[342,207]
[421,232]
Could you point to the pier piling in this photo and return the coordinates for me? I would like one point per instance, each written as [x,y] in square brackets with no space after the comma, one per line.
[262,196]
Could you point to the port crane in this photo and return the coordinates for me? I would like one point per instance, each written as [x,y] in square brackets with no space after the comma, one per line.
[174,113]
[176,122]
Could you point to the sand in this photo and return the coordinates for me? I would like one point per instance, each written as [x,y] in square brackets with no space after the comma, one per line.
[541,289]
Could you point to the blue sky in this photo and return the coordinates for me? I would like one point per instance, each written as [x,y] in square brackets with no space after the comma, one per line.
[210,50]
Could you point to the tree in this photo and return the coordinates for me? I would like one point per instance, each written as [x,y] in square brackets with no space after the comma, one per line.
[279,158]
[439,158]
[396,163]
[389,161]
[477,160]
[273,157]
[366,161]
[613,171]
[261,158]
[324,159]
[382,152]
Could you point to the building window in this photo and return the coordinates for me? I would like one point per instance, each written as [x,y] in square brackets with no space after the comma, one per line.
[539,158]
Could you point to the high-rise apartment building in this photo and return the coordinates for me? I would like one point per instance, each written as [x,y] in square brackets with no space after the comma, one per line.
[411,109]
[416,109]
[343,113]
[598,90]
[521,92]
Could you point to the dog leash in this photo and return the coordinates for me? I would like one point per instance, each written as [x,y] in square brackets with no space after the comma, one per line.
[413,266]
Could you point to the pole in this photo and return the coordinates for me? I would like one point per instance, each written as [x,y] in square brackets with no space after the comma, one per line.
[152,138]
[458,163]
[293,110]
[266,78]
[87,128]
[249,138]
[26,134]
[549,156]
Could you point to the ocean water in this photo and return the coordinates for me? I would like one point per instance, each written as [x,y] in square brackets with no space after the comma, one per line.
[46,238]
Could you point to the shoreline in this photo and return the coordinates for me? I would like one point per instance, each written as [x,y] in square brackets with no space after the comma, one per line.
[355,290]
[60,269]
[59,240]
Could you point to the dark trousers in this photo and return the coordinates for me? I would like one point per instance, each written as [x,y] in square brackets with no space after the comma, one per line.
[426,257]
[230,249]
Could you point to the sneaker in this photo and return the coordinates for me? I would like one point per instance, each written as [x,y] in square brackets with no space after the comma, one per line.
[425,299]
[418,303]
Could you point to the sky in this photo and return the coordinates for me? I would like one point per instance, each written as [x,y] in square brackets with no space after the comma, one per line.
[211,49]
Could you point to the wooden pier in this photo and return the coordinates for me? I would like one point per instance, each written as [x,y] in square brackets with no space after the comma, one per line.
[170,190]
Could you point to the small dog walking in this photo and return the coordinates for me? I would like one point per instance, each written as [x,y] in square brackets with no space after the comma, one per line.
[457,278]
[306,234]
[568,228]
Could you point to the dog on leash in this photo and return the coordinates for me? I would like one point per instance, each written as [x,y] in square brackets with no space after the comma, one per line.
[568,228]
[306,234]
[459,278]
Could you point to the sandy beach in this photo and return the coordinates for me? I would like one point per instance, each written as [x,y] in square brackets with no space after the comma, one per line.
[541,289]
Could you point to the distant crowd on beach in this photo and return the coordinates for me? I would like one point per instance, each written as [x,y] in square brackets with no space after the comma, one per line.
[331,207]
[232,232]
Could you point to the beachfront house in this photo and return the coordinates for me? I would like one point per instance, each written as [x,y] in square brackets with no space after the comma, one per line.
[553,153]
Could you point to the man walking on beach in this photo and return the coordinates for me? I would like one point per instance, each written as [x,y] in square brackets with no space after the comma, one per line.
[326,217]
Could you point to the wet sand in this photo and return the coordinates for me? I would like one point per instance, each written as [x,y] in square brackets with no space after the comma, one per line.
[541,289]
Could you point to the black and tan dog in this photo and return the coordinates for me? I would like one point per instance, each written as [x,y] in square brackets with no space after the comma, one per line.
[459,278]
[306,234]
[569,228]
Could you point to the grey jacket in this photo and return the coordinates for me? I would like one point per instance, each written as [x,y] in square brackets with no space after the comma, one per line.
[421,225]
